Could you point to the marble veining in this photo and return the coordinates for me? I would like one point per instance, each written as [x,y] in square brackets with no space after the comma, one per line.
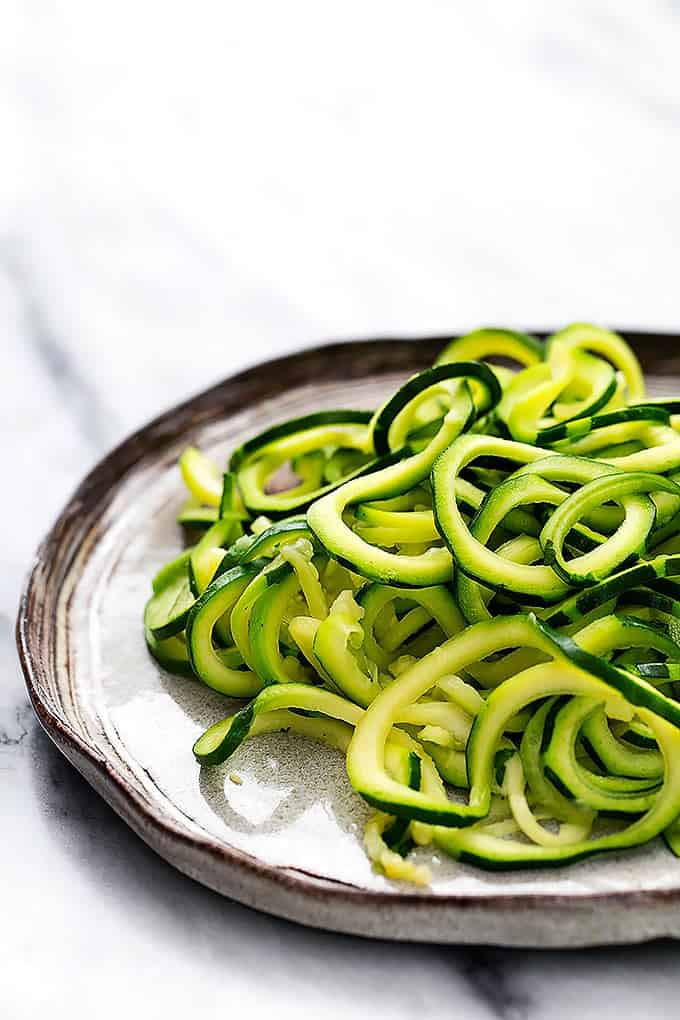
[59,363]
[492,981]
[183,193]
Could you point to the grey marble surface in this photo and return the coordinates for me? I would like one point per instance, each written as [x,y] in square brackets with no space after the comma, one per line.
[185,190]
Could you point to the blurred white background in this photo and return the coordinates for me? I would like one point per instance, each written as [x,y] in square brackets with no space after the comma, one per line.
[189,188]
[185,189]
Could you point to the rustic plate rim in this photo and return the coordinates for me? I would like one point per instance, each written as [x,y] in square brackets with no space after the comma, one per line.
[111,470]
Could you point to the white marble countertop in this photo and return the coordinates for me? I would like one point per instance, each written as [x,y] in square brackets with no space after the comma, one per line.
[185,190]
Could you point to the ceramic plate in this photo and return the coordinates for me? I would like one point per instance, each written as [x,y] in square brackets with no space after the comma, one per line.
[288,840]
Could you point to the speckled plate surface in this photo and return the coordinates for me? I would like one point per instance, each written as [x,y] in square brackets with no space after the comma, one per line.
[288,840]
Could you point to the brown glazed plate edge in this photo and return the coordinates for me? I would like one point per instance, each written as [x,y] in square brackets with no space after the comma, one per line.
[288,892]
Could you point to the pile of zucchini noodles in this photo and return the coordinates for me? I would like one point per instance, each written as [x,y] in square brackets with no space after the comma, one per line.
[469,592]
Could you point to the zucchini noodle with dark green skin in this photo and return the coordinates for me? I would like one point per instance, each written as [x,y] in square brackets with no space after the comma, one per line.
[472,592]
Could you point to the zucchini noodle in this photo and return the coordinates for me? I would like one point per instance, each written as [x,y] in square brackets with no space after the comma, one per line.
[470,593]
